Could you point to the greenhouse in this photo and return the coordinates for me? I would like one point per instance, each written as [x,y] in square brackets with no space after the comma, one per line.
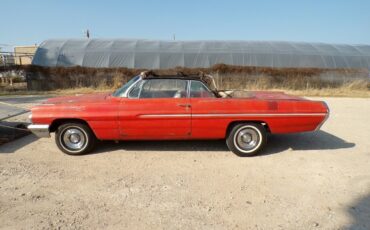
[152,54]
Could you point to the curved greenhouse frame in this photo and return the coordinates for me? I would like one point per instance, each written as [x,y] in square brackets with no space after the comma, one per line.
[151,54]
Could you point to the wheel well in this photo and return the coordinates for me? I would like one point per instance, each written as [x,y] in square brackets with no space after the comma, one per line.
[232,124]
[57,122]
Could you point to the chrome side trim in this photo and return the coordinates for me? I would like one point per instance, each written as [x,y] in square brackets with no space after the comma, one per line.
[164,115]
[260,115]
[234,115]
[39,130]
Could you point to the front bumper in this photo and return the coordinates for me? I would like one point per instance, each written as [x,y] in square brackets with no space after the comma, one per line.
[39,130]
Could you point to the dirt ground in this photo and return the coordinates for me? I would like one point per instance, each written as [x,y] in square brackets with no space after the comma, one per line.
[315,180]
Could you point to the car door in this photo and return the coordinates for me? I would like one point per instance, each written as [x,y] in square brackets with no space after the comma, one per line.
[207,110]
[156,109]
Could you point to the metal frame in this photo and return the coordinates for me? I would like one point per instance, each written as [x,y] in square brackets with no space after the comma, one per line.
[143,80]
[125,94]
[140,81]
[205,87]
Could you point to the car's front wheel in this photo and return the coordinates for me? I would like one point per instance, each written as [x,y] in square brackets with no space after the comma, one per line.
[246,139]
[75,138]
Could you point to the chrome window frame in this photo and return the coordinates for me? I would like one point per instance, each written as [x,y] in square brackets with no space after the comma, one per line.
[210,91]
[125,94]
[188,89]
[143,82]
[140,81]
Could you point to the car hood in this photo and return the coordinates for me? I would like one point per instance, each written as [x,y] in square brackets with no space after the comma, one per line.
[83,98]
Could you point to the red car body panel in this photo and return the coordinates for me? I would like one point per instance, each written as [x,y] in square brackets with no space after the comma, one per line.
[115,118]
[147,119]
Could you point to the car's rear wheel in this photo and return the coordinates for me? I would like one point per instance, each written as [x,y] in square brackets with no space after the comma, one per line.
[246,139]
[75,138]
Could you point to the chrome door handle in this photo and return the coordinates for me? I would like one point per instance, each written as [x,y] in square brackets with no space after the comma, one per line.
[184,105]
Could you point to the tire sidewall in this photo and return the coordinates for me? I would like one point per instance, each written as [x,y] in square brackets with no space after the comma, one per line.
[86,132]
[232,143]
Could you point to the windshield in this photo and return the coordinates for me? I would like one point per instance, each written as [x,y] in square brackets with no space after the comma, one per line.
[119,92]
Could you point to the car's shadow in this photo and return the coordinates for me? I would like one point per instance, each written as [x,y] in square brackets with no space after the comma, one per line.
[15,145]
[12,136]
[319,140]
[360,213]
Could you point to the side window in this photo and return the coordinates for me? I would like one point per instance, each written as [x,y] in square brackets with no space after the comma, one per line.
[164,88]
[197,89]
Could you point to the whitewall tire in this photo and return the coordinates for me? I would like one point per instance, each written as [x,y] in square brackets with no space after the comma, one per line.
[75,138]
[246,139]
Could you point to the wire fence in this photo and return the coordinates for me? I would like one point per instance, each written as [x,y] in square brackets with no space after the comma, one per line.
[15,58]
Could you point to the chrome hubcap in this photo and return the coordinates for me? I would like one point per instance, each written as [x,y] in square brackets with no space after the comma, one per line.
[74,139]
[247,139]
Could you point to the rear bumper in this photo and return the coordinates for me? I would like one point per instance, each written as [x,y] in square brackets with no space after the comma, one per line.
[39,130]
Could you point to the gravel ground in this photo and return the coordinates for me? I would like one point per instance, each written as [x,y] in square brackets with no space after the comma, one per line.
[306,181]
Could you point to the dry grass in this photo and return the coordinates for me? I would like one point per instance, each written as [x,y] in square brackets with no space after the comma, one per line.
[330,93]
[72,91]
[345,90]
[342,91]
[302,81]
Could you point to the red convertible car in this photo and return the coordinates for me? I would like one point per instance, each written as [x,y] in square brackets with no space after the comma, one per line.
[176,107]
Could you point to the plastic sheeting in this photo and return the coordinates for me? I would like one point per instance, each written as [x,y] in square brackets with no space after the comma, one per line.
[151,54]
